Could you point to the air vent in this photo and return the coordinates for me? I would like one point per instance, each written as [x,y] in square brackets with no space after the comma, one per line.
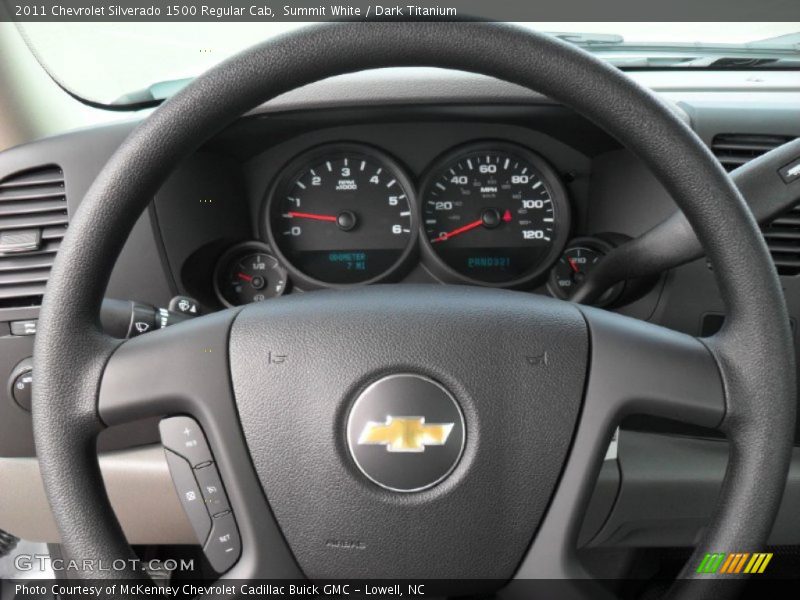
[735,149]
[33,220]
[783,240]
[783,234]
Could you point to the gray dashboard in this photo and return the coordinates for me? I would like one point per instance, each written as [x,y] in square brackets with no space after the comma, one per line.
[215,200]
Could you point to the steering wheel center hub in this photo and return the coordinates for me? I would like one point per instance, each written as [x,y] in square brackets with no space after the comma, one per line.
[442,393]
[405,432]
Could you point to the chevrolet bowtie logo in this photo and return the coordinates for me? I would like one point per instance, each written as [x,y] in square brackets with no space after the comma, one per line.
[405,434]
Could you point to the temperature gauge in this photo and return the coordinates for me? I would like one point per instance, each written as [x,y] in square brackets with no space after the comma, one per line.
[577,261]
[248,273]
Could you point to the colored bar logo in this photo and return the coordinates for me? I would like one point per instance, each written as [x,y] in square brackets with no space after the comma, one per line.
[733,563]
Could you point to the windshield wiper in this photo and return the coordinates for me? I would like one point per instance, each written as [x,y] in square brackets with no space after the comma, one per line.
[787,41]
[589,40]
[152,95]
[778,52]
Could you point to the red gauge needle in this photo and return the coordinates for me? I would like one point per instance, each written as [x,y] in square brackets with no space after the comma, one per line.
[303,215]
[574,265]
[244,277]
[446,236]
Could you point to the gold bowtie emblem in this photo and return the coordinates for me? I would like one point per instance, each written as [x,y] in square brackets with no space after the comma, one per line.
[405,434]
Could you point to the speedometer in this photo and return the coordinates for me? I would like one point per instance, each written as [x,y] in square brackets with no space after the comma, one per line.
[342,215]
[495,214]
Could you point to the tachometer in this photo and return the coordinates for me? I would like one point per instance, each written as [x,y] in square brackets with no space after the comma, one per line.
[495,214]
[342,215]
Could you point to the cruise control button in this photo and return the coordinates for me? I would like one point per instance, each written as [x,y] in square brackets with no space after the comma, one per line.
[189,494]
[211,487]
[183,436]
[224,545]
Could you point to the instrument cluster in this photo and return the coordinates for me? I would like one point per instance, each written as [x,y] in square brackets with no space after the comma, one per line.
[488,213]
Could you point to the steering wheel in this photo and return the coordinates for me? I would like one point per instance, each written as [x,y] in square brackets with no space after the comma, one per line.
[521,392]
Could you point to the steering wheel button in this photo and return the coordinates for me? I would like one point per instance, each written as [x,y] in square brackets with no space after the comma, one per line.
[224,545]
[184,437]
[211,487]
[791,172]
[189,495]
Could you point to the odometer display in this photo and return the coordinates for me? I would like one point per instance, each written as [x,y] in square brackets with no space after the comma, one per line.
[342,215]
[494,214]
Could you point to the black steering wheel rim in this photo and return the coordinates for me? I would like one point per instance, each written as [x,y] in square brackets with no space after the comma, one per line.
[754,349]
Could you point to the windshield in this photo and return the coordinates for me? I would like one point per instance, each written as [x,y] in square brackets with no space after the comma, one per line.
[124,63]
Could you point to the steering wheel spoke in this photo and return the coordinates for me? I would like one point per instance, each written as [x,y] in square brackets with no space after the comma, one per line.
[184,370]
[640,368]
[635,368]
[177,370]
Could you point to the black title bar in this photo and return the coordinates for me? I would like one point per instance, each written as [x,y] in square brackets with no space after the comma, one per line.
[365,10]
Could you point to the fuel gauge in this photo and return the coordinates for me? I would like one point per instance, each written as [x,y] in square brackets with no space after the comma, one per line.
[248,273]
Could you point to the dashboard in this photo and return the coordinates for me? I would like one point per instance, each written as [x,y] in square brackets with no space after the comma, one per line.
[489,213]
[435,195]
[385,179]
[393,178]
